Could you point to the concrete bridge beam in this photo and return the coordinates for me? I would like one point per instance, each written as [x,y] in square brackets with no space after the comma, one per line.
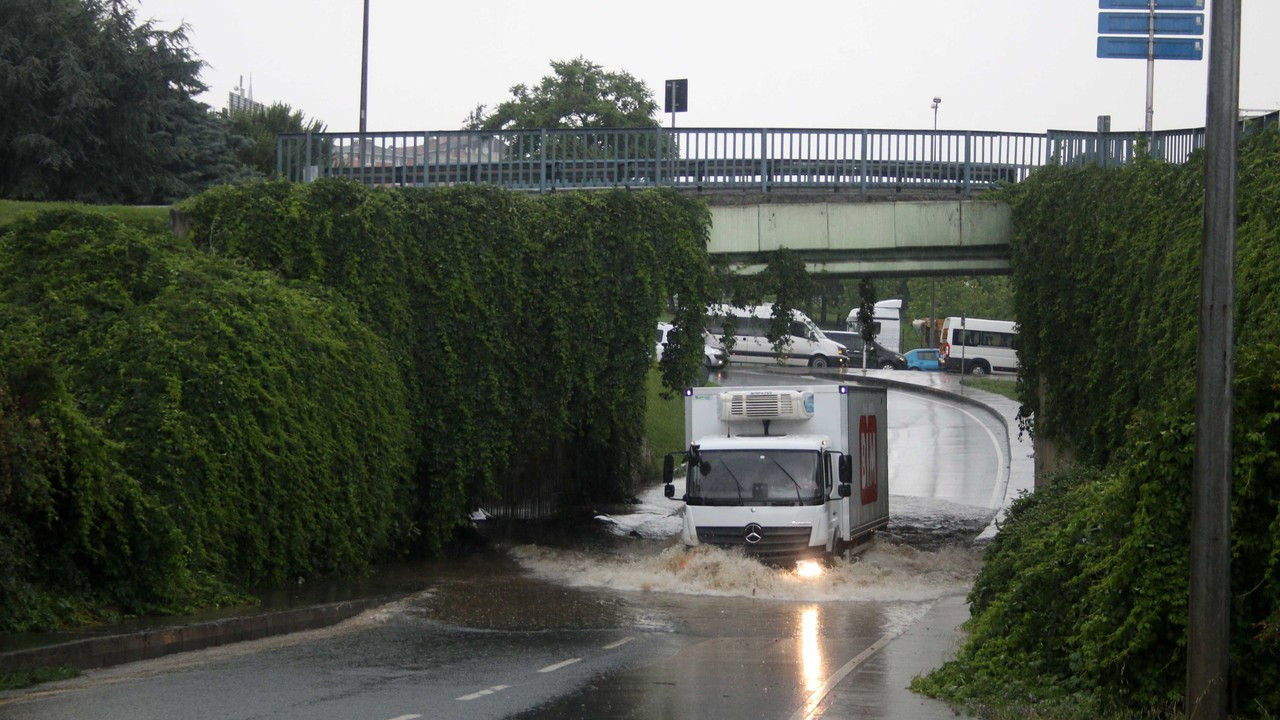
[891,237]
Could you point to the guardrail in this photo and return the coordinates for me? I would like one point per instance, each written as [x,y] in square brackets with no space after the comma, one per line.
[715,158]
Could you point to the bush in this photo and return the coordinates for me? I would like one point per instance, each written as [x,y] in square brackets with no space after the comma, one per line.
[172,425]
[1083,597]
[522,324]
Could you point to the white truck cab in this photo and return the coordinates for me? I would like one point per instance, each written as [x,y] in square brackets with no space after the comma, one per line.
[772,471]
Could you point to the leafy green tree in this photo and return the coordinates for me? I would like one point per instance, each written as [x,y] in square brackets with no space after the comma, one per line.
[580,94]
[98,108]
[258,131]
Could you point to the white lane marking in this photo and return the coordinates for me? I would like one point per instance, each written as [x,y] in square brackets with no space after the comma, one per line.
[816,697]
[479,694]
[618,644]
[557,666]
[406,717]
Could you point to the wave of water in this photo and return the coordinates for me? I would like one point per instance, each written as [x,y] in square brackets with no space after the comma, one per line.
[884,572]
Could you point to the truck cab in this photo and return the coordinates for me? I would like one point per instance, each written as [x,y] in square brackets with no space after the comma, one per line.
[771,471]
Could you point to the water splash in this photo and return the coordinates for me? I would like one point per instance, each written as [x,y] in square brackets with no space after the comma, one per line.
[883,573]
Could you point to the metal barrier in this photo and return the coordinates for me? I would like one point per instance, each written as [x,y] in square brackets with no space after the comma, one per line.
[716,158]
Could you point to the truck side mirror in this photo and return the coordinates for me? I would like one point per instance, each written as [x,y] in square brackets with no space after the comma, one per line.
[668,470]
[669,490]
[846,490]
[846,471]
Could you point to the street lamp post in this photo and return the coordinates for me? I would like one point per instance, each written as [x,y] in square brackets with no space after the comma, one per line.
[933,282]
[936,102]
[364,73]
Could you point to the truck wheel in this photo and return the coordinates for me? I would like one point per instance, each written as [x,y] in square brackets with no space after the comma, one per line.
[979,368]
[818,361]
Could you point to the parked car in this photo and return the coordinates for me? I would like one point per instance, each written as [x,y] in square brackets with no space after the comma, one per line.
[881,357]
[713,358]
[929,359]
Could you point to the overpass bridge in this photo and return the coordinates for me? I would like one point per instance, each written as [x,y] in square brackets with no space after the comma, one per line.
[850,202]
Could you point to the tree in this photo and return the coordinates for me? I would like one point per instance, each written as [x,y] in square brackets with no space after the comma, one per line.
[258,130]
[97,108]
[580,94]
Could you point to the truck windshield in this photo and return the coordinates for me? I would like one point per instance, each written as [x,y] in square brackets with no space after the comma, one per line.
[756,477]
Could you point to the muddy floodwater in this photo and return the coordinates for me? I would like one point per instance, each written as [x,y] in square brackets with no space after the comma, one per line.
[610,616]
[628,565]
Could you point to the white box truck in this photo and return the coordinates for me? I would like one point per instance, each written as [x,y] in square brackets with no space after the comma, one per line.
[784,473]
[887,319]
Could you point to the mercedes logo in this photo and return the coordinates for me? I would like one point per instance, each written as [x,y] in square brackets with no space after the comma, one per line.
[753,534]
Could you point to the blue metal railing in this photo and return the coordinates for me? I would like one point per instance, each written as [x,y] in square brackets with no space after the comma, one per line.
[714,158]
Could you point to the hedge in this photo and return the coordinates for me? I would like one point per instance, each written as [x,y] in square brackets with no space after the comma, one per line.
[1082,601]
[319,377]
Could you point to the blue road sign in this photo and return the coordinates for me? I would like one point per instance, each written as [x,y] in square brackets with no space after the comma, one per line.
[1136,48]
[1144,5]
[1113,23]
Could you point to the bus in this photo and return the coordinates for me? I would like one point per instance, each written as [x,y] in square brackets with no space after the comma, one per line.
[979,346]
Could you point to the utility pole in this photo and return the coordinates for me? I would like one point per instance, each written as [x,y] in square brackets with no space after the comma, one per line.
[1209,597]
[364,75]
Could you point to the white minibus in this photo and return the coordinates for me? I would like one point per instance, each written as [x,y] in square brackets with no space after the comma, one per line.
[806,344]
[979,346]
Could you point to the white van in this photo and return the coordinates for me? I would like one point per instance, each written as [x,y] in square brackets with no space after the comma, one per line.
[806,344]
[713,358]
[888,317]
[978,346]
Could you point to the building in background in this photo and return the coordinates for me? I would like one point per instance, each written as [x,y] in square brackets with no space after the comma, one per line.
[239,101]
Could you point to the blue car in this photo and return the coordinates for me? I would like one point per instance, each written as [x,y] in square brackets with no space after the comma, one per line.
[924,359]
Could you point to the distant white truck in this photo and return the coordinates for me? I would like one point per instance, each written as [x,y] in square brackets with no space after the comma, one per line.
[887,323]
[784,473]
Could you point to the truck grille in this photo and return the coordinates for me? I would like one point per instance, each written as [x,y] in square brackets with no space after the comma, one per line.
[776,544]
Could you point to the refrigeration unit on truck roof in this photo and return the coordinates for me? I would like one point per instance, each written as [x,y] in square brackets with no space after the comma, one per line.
[773,470]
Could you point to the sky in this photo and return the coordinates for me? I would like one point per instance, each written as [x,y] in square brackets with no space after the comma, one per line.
[1001,65]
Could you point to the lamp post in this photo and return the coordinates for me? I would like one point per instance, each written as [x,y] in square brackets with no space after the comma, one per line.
[933,282]
[936,102]
[364,74]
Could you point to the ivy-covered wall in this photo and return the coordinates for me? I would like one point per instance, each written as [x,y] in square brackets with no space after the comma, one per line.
[174,427]
[1082,600]
[317,377]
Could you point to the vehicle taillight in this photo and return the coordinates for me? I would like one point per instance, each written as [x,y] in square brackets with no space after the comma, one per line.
[946,350]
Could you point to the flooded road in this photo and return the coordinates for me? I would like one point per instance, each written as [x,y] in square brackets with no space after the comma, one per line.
[613,618]
[745,640]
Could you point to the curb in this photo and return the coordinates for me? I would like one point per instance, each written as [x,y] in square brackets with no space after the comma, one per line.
[101,652]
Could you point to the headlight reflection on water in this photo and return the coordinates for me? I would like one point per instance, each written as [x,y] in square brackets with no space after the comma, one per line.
[814,674]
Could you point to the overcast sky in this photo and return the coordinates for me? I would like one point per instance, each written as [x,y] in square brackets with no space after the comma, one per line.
[1010,65]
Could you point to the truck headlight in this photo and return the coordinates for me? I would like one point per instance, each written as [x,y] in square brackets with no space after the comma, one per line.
[808,568]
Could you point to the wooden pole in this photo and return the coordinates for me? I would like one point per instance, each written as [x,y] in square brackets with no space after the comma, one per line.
[1209,600]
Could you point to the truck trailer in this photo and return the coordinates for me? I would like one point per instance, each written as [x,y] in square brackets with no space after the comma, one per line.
[785,474]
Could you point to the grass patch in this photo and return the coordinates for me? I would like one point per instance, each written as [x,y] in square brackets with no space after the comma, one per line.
[663,422]
[154,217]
[1007,388]
[35,676]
